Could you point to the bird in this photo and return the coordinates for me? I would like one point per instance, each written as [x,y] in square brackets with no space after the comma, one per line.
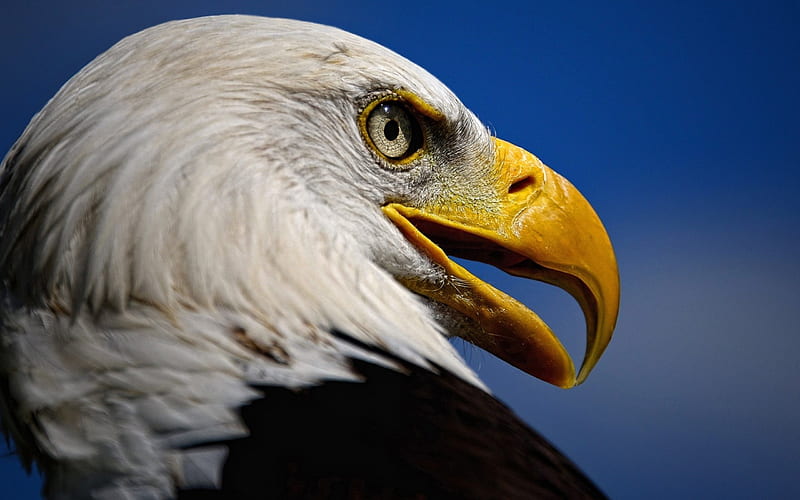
[227,271]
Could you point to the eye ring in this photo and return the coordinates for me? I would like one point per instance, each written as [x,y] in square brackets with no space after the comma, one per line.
[392,130]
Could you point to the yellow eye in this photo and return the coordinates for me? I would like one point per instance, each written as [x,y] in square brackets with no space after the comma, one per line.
[394,130]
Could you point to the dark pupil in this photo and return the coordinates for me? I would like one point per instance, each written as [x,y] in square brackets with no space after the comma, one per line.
[391,130]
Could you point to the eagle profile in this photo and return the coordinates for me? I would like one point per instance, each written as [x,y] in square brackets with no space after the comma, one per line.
[226,272]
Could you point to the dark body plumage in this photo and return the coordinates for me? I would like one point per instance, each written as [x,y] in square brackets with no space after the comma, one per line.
[414,434]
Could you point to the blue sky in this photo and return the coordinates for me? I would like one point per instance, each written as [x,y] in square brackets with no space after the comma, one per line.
[677,120]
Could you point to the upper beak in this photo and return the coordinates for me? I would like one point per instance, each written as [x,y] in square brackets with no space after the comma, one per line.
[543,229]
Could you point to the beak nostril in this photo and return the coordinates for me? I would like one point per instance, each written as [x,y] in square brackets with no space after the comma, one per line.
[521,185]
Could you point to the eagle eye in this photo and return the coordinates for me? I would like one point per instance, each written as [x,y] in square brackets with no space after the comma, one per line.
[393,130]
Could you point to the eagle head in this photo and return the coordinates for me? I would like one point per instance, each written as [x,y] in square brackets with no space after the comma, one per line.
[222,193]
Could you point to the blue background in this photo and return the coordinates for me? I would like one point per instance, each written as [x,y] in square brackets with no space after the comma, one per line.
[678,120]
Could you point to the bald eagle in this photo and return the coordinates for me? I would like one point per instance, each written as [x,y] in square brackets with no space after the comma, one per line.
[226,267]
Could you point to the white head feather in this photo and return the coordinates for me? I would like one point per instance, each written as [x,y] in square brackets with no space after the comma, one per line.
[201,180]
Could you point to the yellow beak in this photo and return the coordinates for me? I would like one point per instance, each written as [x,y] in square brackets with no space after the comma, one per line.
[542,228]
